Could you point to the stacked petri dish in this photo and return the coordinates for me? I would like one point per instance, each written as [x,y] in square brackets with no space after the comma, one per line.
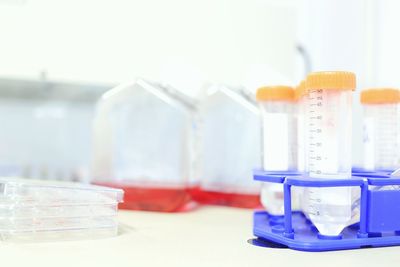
[33,210]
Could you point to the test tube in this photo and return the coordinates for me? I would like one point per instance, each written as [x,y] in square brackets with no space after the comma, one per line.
[278,141]
[329,124]
[381,122]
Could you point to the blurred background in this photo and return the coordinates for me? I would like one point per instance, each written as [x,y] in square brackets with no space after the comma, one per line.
[58,57]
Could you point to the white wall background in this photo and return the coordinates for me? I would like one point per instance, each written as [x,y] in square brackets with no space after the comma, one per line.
[180,41]
[387,35]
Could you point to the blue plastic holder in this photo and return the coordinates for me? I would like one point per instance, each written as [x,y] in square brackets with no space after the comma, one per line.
[368,173]
[379,214]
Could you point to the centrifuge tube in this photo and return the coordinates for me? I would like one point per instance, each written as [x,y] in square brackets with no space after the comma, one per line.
[381,122]
[278,140]
[329,124]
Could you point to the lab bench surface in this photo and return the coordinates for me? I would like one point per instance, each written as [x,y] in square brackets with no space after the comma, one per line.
[208,236]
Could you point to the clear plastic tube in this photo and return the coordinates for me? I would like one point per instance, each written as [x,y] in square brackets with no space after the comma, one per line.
[381,136]
[329,118]
[278,141]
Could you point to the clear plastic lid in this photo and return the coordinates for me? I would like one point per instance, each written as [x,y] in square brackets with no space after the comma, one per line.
[26,192]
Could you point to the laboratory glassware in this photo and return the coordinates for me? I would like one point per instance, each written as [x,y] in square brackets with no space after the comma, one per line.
[329,124]
[277,104]
[144,144]
[230,147]
[381,128]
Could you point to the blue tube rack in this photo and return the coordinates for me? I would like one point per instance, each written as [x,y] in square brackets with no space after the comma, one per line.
[379,224]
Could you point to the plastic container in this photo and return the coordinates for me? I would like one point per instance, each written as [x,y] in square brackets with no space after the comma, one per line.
[329,150]
[230,147]
[32,210]
[381,128]
[144,143]
[279,139]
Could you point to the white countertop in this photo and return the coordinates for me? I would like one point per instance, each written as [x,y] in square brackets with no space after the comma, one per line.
[209,236]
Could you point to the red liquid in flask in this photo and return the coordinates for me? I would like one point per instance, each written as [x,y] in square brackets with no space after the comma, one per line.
[152,198]
[239,200]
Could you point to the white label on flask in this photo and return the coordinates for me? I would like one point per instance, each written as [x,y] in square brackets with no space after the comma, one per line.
[276,141]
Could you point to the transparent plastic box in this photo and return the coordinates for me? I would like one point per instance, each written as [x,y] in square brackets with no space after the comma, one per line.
[230,147]
[32,210]
[144,136]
